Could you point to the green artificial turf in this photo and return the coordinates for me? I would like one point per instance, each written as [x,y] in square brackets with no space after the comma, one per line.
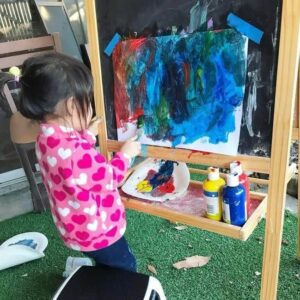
[230,274]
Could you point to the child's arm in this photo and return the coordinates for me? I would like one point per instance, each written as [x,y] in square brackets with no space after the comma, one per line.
[117,167]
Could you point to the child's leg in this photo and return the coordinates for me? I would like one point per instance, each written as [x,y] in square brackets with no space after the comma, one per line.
[116,255]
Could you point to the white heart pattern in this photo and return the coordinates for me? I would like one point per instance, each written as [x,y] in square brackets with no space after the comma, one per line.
[110,170]
[64,153]
[63,211]
[110,186]
[122,230]
[91,210]
[104,227]
[119,201]
[75,247]
[52,161]
[47,131]
[82,180]
[103,215]
[74,204]
[61,230]
[92,226]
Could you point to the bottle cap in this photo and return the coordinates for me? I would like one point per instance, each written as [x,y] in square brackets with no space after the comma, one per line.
[233,179]
[236,167]
[213,173]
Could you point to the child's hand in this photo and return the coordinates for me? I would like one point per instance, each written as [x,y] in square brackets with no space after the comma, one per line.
[131,147]
[93,126]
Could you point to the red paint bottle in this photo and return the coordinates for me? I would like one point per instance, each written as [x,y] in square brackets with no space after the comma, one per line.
[236,167]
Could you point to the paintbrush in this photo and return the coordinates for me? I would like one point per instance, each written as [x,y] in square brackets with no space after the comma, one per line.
[139,132]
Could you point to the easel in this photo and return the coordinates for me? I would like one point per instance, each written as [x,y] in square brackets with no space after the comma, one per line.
[276,166]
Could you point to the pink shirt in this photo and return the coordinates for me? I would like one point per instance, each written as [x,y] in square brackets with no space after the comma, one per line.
[82,187]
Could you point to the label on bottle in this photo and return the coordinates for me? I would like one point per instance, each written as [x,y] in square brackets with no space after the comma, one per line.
[226,212]
[212,201]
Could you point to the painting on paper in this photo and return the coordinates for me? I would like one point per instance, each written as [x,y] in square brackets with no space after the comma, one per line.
[187,89]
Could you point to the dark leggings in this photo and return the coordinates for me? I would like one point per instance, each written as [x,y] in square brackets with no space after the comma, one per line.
[116,255]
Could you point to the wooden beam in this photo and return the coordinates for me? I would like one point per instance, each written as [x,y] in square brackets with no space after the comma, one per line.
[26,45]
[94,54]
[17,60]
[57,42]
[283,117]
[291,172]
[254,219]
[251,163]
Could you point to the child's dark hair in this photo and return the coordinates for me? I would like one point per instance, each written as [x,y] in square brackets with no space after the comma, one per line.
[50,78]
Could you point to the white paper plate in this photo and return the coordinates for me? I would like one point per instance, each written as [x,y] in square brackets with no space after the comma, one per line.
[16,255]
[37,238]
[22,248]
[181,177]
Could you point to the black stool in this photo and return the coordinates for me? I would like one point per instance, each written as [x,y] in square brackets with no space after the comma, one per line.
[106,283]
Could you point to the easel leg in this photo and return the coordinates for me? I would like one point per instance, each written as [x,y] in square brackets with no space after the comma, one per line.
[283,116]
[298,100]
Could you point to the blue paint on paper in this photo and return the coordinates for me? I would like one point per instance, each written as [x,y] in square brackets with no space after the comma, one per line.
[112,44]
[252,32]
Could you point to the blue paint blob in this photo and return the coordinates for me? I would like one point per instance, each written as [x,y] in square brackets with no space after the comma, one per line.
[163,175]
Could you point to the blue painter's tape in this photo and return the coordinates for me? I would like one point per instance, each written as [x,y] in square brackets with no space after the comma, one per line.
[245,28]
[112,44]
[144,150]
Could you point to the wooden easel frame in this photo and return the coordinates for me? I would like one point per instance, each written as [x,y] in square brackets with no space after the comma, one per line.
[276,166]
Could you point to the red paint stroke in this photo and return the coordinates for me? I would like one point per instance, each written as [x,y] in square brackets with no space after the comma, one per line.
[186,70]
[121,97]
[167,187]
[196,151]
[123,111]
[135,44]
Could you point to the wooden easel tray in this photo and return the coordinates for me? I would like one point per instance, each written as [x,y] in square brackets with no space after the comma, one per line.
[190,209]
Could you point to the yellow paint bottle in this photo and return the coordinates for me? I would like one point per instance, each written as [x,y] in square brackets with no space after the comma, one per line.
[212,190]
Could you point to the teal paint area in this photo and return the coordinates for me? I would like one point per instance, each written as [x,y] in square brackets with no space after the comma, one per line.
[186,87]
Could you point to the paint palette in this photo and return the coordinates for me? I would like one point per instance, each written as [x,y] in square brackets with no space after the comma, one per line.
[158,180]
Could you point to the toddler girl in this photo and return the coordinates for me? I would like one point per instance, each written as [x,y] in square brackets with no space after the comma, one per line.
[56,90]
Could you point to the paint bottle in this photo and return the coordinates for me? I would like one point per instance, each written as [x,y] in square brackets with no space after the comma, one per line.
[234,201]
[212,190]
[236,167]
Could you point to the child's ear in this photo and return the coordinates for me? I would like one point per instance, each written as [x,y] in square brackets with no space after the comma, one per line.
[70,105]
